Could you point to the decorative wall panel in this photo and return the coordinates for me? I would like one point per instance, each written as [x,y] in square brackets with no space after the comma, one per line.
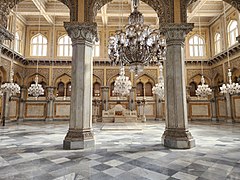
[200,110]
[35,110]
[62,110]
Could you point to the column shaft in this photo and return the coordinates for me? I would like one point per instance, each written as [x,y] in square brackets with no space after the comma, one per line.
[176,134]
[80,128]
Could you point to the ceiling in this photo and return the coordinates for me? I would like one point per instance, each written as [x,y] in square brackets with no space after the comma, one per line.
[114,13]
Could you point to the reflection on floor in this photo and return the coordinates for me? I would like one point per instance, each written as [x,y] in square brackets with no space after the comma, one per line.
[34,151]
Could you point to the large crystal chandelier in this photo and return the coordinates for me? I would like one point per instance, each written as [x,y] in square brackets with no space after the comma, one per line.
[230,87]
[203,90]
[122,85]
[159,87]
[139,45]
[10,87]
[36,89]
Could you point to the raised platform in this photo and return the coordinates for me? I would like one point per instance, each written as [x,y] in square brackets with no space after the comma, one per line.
[121,127]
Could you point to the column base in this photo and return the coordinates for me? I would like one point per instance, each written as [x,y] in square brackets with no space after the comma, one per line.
[229,121]
[178,139]
[49,119]
[78,139]
[214,119]
[20,119]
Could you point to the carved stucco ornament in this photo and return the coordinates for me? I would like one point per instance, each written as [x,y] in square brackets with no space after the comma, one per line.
[176,32]
[77,31]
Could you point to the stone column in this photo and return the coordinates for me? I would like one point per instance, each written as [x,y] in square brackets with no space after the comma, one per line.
[80,127]
[105,97]
[22,102]
[5,108]
[176,134]
[50,103]
[132,104]
[229,116]
[213,105]
[159,115]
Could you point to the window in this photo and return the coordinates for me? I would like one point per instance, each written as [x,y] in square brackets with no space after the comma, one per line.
[96,89]
[140,91]
[17,42]
[60,89]
[232,32]
[64,46]
[69,89]
[112,88]
[39,45]
[148,89]
[196,46]
[97,49]
[193,88]
[217,42]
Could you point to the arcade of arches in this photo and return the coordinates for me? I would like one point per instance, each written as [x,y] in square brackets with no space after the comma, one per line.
[68,39]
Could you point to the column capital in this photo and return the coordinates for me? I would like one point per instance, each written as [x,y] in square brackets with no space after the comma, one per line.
[50,92]
[5,34]
[81,31]
[5,7]
[176,33]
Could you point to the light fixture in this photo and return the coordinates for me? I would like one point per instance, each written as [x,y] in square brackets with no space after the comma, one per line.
[139,45]
[202,90]
[36,89]
[229,88]
[11,87]
[159,87]
[122,85]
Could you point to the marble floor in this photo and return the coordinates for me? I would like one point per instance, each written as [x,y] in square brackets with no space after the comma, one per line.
[33,150]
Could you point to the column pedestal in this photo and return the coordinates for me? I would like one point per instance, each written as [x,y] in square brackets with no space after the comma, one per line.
[80,134]
[176,134]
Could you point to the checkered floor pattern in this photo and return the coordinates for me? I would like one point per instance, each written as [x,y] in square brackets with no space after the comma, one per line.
[34,151]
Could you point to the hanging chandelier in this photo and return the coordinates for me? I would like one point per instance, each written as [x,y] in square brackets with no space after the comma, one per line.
[1,93]
[203,90]
[139,45]
[230,87]
[10,87]
[159,87]
[36,89]
[122,85]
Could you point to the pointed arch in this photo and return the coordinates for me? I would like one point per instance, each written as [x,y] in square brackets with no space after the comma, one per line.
[39,45]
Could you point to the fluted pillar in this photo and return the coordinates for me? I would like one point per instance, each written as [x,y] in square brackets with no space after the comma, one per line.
[229,116]
[132,101]
[50,103]
[22,103]
[159,104]
[105,97]
[176,134]
[80,127]
[5,108]
[213,105]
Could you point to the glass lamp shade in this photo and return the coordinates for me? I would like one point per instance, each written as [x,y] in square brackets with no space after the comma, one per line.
[231,88]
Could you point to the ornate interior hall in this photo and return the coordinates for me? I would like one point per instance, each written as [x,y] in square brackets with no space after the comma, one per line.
[119,89]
